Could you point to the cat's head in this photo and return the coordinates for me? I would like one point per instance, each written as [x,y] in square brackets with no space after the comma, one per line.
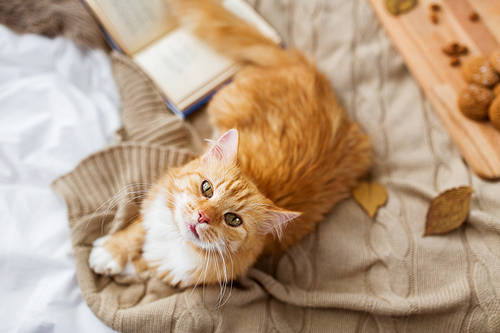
[216,206]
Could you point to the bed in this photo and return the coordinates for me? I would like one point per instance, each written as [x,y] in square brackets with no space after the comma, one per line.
[58,103]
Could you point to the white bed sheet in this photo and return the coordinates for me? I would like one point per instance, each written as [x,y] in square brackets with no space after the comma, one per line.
[58,103]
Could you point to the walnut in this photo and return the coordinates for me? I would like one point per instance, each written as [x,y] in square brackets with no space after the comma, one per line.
[494,112]
[474,101]
[495,60]
[478,70]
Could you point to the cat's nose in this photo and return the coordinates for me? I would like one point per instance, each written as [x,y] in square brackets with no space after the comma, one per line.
[203,217]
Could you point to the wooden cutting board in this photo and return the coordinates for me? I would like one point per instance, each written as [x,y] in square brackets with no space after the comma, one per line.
[420,43]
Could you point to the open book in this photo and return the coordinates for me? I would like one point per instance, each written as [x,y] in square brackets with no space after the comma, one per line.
[184,68]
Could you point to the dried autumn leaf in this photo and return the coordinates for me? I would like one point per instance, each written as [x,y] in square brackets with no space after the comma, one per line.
[396,7]
[370,196]
[448,211]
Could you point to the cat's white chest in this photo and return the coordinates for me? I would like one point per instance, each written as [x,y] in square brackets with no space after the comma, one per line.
[164,245]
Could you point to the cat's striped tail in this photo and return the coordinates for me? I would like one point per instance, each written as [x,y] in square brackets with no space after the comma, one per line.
[228,34]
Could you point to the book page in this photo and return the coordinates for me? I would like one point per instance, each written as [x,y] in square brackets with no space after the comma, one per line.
[181,64]
[246,12]
[133,24]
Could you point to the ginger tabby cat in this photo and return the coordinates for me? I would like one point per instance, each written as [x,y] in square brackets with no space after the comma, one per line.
[288,155]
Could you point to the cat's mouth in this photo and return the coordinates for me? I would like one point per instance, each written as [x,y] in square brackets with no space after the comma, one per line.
[197,234]
[192,228]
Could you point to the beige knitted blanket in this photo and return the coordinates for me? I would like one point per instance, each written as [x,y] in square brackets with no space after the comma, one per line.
[353,274]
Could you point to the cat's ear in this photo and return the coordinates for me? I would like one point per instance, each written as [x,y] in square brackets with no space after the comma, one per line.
[277,218]
[225,149]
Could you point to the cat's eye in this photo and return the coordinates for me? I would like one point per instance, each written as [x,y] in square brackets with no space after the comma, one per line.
[206,189]
[232,219]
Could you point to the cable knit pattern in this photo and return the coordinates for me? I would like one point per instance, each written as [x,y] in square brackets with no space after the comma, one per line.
[352,274]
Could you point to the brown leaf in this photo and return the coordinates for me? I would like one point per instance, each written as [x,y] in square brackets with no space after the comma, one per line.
[370,196]
[396,7]
[448,211]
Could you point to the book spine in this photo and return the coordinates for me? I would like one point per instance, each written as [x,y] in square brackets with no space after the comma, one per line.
[174,109]
[199,104]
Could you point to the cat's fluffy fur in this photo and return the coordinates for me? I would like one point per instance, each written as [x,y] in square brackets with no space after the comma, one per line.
[295,154]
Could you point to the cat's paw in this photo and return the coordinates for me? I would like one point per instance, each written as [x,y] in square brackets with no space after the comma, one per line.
[101,260]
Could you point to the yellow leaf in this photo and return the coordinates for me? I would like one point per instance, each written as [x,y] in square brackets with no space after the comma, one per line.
[448,211]
[396,7]
[370,196]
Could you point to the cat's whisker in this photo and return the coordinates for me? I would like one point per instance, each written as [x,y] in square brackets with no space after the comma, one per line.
[199,276]
[125,204]
[130,197]
[232,274]
[122,191]
[205,274]
[224,281]
[219,275]
[221,282]
[111,202]
[228,252]
[218,272]
[226,278]
[203,270]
